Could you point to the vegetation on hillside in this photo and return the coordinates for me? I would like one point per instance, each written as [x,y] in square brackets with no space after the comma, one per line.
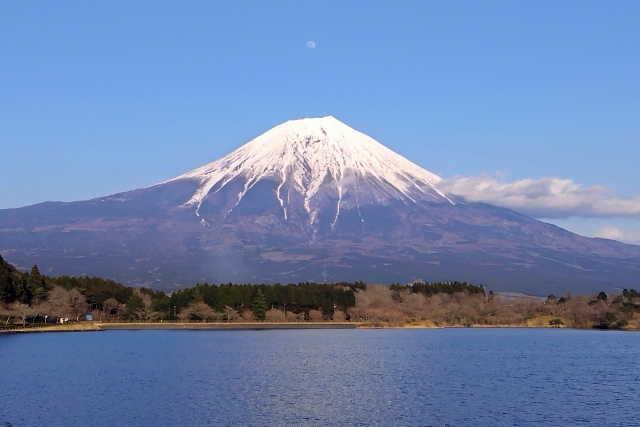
[30,295]
[401,305]
[33,297]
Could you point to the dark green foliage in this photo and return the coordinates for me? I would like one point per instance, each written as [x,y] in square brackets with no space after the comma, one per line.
[301,297]
[22,287]
[602,296]
[10,279]
[629,306]
[445,288]
[398,287]
[134,303]
[298,298]
[327,307]
[555,322]
[259,306]
[95,289]
[37,288]
[612,321]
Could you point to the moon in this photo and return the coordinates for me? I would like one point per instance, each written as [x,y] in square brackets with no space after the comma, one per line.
[311,44]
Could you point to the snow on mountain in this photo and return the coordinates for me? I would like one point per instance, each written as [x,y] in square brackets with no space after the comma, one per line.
[318,202]
[315,162]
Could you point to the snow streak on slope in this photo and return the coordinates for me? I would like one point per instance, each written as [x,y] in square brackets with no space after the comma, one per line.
[319,161]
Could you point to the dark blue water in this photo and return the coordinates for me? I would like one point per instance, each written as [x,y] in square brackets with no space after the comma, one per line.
[463,377]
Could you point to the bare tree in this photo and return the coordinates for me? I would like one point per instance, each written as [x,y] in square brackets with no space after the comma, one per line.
[42,308]
[111,307]
[248,316]
[5,312]
[22,311]
[145,314]
[339,316]
[290,316]
[229,314]
[185,315]
[78,303]
[316,316]
[146,298]
[274,315]
[199,310]
[59,302]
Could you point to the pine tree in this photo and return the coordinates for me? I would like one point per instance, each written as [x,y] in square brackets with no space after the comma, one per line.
[134,303]
[36,286]
[8,278]
[259,305]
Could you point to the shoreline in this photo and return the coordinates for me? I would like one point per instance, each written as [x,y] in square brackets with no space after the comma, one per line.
[98,327]
[75,327]
[255,326]
[247,326]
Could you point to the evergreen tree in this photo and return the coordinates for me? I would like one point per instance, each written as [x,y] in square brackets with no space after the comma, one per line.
[8,278]
[21,289]
[259,305]
[134,303]
[36,285]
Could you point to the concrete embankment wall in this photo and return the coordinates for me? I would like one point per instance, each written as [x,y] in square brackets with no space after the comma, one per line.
[224,326]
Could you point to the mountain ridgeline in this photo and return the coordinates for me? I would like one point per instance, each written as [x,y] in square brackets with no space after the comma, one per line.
[310,200]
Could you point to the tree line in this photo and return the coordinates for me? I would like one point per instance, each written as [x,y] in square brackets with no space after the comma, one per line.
[451,304]
[32,294]
[434,288]
[34,297]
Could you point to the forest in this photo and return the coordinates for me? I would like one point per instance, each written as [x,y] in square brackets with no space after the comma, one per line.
[31,297]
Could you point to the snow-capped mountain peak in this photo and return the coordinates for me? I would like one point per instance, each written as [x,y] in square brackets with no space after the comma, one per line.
[316,162]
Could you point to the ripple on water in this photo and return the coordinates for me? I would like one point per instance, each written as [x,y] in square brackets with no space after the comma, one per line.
[463,377]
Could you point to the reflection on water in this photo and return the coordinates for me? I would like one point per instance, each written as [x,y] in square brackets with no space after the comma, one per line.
[463,377]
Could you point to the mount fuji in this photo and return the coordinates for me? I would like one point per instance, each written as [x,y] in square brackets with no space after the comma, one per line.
[319,166]
[309,200]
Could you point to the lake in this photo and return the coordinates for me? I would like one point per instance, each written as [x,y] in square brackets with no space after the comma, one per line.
[387,377]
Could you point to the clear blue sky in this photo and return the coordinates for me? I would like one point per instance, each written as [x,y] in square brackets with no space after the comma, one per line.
[98,97]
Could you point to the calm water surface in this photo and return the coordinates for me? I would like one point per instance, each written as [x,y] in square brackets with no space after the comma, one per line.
[463,377]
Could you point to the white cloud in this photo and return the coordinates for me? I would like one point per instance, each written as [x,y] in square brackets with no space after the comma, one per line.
[549,197]
[614,233]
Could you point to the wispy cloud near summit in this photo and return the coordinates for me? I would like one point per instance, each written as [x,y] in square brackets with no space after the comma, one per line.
[548,197]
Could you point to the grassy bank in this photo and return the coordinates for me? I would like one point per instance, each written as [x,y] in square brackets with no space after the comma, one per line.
[541,322]
[69,327]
